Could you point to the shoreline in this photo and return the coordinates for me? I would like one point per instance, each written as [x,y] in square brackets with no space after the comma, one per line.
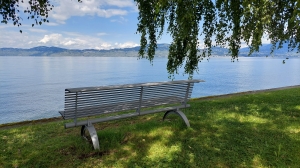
[59,118]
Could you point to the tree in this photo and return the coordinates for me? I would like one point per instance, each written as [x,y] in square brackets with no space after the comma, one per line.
[38,11]
[225,23]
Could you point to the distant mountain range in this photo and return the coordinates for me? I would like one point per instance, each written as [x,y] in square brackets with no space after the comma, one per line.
[265,49]
[162,51]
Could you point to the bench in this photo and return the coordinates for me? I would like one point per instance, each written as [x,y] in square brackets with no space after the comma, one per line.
[82,103]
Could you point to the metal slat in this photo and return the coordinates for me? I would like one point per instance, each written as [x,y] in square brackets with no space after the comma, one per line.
[87,103]
[105,95]
[163,89]
[130,85]
[87,95]
[159,94]
[114,92]
[102,102]
[103,99]
[107,99]
[94,105]
[93,110]
[111,91]
[117,96]
[69,114]
[106,105]
[161,100]
[123,96]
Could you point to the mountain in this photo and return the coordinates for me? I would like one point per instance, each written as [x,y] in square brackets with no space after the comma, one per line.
[161,51]
[265,50]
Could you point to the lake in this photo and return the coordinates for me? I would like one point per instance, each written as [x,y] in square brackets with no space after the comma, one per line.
[33,87]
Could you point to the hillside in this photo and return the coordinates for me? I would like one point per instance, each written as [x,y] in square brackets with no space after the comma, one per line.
[162,51]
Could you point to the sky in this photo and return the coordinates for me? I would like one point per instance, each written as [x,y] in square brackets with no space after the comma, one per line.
[92,24]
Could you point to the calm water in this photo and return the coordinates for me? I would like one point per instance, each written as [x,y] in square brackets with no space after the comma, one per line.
[33,87]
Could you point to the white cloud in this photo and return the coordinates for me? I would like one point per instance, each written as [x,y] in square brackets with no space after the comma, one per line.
[73,40]
[102,8]
[15,39]
[121,3]
[51,38]
[265,39]
[125,45]
[70,42]
[201,44]
[104,46]
[94,38]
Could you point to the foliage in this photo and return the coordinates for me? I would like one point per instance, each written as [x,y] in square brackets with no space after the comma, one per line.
[227,23]
[38,11]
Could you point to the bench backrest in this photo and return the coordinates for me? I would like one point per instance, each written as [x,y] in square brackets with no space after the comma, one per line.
[91,101]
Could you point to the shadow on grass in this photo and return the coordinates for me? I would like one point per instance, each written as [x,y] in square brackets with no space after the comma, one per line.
[259,130]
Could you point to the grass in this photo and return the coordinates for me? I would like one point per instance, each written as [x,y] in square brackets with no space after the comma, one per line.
[250,130]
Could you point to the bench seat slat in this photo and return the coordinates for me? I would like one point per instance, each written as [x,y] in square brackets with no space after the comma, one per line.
[89,94]
[137,90]
[131,85]
[113,94]
[85,111]
[103,99]
[166,99]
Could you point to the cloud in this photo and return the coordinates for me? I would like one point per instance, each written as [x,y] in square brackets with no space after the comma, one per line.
[120,20]
[51,24]
[264,40]
[73,40]
[70,42]
[37,30]
[126,45]
[102,34]
[121,3]
[201,44]
[101,8]
[15,39]
[51,38]
[47,35]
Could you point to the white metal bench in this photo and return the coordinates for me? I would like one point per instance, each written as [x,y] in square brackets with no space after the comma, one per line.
[94,101]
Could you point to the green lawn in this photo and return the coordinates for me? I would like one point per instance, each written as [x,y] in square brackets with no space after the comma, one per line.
[249,130]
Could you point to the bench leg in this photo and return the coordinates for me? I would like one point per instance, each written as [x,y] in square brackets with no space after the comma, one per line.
[181,114]
[93,134]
